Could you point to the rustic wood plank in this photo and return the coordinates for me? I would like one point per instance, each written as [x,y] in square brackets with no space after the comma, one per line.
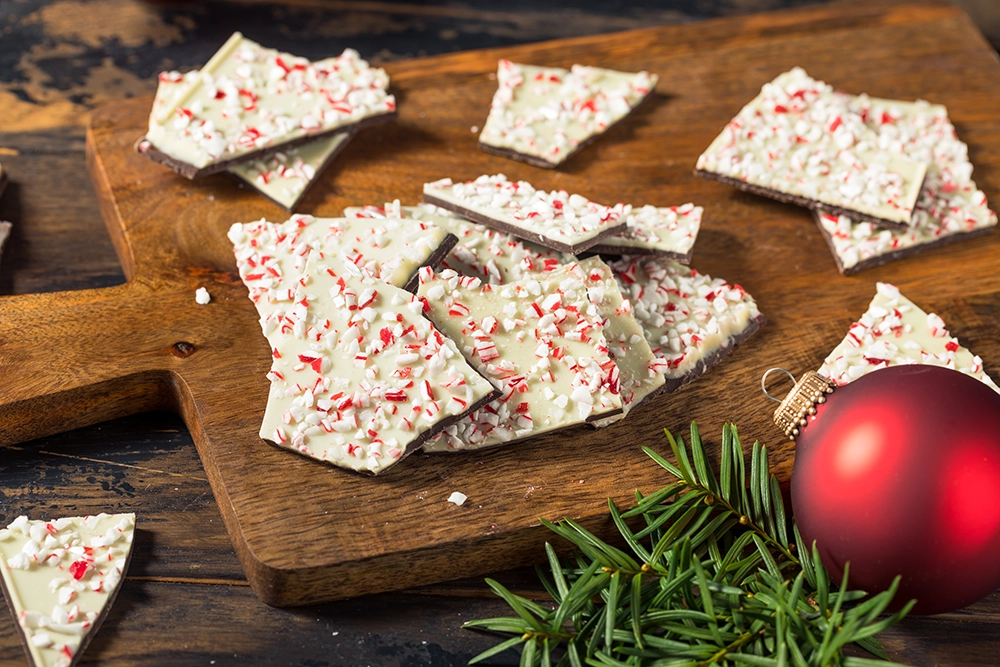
[307,533]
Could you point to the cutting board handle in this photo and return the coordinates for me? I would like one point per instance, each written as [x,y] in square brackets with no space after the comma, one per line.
[72,359]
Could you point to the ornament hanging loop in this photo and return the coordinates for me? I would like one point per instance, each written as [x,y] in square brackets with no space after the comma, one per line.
[763,382]
[811,390]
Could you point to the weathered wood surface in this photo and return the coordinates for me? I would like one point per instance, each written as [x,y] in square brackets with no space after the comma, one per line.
[52,214]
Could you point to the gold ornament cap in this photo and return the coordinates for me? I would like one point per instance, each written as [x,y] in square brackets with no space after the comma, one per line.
[808,392]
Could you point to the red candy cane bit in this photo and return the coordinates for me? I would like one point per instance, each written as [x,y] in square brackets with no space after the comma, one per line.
[77,569]
[952,345]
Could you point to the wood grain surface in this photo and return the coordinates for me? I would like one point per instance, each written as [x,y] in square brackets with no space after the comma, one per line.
[305,533]
[186,601]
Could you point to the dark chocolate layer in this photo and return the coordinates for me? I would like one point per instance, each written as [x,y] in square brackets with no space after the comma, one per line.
[522,233]
[146,147]
[892,256]
[811,204]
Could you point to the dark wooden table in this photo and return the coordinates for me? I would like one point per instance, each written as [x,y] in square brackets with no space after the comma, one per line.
[185,600]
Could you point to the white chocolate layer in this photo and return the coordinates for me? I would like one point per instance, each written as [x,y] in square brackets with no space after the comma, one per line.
[665,230]
[895,332]
[283,177]
[490,255]
[270,257]
[800,138]
[60,575]
[687,316]
[248,97]
[359,375]
[540,340]
[949,203]
[547,112]
[555,217]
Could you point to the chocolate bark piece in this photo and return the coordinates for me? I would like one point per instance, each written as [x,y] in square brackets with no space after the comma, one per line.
[490,255]
[541,340]
[543,115]
[893,332]
[640,372]
[557,220]
[285,177]
[691,320]
[3,180]
[668,232]
[60,578]
[249,101]
[950,208]
[270,257]
[360,379]
[799,142]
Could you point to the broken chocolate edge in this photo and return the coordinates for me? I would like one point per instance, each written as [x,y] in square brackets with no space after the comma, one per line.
[522,233]
[536,161]
[433,261]
[811,204]
[309,185]
[895,255]
[190,171]
[712,360]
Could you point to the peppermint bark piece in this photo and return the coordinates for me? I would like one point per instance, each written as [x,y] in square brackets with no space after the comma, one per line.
[270,257]
[691,320]
[60,578]
[286,176]
[249,100]
[668,232]
[557,220]
[641,373]
[360,378]
[490,255]
[543,115]
[950,208]
[799,142]
[540,340]
[893,332]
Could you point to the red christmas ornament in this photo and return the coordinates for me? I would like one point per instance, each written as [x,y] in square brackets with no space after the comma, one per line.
[898,473]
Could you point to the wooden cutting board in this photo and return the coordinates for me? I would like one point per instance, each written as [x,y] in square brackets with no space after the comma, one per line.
[306,532]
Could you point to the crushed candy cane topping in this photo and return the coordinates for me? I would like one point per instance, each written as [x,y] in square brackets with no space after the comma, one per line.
[270,257]
[666,230]
[687,316]
[800,138]
[547,112]
[949,203]
[493,256]
[359,376]
[540,340]
[894,332]
[60,575]
[555,217]
[641,373]
[248,98]
[284,176]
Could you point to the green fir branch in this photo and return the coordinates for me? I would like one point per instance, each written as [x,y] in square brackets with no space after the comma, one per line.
[711,576]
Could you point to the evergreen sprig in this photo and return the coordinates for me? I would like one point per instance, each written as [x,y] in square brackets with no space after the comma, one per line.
[711,576]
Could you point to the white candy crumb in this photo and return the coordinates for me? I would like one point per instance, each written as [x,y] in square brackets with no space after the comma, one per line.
[474,129]
[458,498]
[202,296]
